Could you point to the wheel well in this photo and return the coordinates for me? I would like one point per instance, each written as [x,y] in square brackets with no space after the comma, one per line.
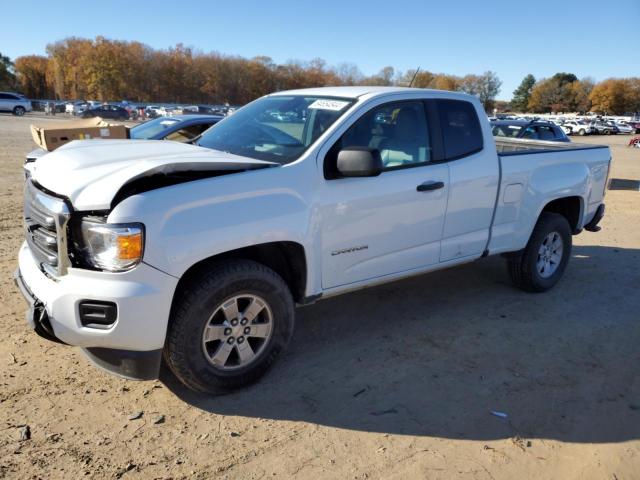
[287,259]
[569,208]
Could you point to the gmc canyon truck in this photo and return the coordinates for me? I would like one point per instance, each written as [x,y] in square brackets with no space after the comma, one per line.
[142,251]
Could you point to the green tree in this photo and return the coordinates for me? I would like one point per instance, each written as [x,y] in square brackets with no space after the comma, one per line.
[521,95]
[7,77]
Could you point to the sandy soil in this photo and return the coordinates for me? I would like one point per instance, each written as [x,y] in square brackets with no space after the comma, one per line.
[394,382]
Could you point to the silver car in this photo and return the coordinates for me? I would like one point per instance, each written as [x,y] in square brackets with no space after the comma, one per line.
[14,103]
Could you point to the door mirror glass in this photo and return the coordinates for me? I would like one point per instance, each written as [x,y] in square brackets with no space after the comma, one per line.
[359,162]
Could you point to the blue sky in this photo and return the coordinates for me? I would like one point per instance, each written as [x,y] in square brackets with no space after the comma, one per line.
[587,37]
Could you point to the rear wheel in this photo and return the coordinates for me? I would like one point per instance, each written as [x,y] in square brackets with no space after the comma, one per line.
[607,132]
[228,326]
[19,111]
[582,132]
[543,261]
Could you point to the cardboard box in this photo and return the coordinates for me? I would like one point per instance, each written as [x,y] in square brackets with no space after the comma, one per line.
[52,137]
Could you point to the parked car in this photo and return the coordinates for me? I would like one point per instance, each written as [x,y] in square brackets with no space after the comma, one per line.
[635,125]
[201,110]
[151,111]
[180,128]
[112,112]
[535,130]
[215,242]
[603,128]
[622,127]
[75,108]
[15,103]
[578,127]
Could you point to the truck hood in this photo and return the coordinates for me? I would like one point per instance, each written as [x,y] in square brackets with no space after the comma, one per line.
[94,173]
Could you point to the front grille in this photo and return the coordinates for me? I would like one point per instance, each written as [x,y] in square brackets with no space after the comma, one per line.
[45,222]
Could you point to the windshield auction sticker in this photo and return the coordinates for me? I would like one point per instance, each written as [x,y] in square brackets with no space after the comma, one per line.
[324,104]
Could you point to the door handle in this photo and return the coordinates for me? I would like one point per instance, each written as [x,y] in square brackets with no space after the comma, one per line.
[429,186]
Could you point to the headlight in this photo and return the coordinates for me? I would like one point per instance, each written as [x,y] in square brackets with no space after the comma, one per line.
[115,247]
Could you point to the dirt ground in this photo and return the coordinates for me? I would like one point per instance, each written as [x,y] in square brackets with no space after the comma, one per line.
[397,381]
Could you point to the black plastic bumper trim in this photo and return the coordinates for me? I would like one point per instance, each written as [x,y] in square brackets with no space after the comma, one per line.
[592,226]
[97,314]
[126,363]
[37,316]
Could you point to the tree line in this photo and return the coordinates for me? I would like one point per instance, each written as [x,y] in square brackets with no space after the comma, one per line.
[107,70]
[104,69]
[564,92]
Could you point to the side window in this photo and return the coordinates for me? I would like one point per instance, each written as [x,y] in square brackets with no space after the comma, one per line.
[531,133]
[546,133]
[4,96]
[461,131]
[397,130]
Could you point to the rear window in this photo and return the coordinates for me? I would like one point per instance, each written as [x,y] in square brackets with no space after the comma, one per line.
[460,126]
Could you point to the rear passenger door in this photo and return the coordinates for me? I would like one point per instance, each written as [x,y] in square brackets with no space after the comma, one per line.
[473,179]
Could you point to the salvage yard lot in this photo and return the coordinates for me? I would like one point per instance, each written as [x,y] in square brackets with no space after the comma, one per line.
[397,381]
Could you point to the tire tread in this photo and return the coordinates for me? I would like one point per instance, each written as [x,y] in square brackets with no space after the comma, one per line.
[192,292]
[520,264]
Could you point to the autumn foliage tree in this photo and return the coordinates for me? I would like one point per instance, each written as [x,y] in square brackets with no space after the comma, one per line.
[32,76]
[561,93]
[616,96]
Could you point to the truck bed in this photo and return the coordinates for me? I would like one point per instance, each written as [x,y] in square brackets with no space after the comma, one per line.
[533,171]
[521,146]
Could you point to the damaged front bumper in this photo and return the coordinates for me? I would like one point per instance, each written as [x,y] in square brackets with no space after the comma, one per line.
[131,346]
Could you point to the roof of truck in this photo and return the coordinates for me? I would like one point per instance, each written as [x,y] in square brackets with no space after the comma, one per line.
[359,91]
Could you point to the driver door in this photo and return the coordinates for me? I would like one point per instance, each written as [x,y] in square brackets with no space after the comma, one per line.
[392,223]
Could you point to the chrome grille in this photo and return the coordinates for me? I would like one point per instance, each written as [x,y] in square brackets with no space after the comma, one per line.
[45,222]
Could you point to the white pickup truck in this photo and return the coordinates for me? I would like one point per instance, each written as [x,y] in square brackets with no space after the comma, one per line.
[139,251]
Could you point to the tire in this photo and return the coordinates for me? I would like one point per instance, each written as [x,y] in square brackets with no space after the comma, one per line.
[19,111]
[524,266]
[582,132]
[202,306]
[607,132]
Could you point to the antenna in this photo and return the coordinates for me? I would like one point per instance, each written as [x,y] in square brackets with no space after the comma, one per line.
[414,76]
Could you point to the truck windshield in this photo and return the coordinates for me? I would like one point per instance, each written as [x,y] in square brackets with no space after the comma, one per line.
[278,128]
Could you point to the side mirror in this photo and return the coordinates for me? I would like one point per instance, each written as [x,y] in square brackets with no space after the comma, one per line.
[359,162]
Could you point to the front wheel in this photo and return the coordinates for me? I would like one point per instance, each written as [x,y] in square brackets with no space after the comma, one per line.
[19,111]
[582,132]
[543,261]
[228,326]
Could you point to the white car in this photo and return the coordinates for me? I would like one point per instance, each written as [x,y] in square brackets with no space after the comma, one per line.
[566,129]
[15,103]
[578,127]
[197,253]
[623,127]
[76,108]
